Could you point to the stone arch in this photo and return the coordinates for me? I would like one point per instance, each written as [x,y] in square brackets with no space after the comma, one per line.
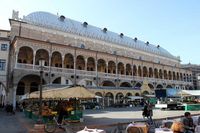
[119,97]
[165,74]
[174,75]
[99,94]
[145,71]
[139,71]
[184,77]
[69,61]
[128,94]
[86,82]
[42,53]
[108,83]
[56,59]
[57,81]
[169,86]
[177,76]
[137,94]
[101,66]
[20,88]
[90,64]
[151,86]
[109,99]
[181,76]
[190,88]
[170,75]
[128,69]
[159,86]
[120,67]
[25,55]
[138,86]
[134,70]
[111,67]
[27,80]
[160,74]
[125,84]
[155,73]
[80,62]
[34,87]
[150,72]
[145,93]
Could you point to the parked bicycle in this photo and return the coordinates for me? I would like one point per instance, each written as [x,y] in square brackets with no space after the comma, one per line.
[51,125]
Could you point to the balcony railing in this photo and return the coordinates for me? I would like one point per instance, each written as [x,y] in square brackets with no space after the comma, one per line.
[30,67]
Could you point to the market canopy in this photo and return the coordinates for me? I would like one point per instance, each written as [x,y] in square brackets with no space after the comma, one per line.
[65,92]
[135,97]
[189,93]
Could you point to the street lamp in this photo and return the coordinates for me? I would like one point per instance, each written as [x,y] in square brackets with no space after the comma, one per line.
[41,64]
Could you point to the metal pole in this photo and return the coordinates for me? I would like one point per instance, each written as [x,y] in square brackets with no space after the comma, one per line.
[40,109]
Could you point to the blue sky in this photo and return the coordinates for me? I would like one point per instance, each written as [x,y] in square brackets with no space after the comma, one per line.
[172,24]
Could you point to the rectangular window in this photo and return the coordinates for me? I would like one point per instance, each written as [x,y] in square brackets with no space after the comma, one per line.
[2,65]
[4,47]
[67,82]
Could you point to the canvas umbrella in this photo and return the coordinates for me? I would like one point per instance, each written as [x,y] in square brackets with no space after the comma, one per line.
[77,92]
[73,92]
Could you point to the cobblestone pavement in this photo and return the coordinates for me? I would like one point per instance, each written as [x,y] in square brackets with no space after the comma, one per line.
[10,123]
[18,123]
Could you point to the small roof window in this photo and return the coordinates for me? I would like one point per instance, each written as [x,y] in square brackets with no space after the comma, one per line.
[62,18]
[121,35]
[85,24]
[105,30]
[135,39]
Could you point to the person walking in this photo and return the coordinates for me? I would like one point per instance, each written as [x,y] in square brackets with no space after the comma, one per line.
[145,112]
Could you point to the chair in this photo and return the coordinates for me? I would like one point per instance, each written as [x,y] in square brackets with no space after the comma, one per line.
[134,130]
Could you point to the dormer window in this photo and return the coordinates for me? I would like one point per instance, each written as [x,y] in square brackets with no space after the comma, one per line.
[135,39]
[147,43]
[82,46]
[158,46]
[104,30]
[85,24]
[62,18]
[121,35]
[114,52]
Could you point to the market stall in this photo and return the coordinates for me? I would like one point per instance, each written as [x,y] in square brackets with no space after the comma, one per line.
[72,98]
[190,105]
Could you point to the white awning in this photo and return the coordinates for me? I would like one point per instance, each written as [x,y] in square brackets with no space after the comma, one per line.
[135,97]
[190,92]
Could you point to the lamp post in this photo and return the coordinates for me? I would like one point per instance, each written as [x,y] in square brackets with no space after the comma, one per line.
[41,64]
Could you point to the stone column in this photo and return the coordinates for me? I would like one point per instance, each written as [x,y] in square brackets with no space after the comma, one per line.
[34,54]
[106,67]
[16,58]
[86,64]
[75,66]
[63,58]
[96,68]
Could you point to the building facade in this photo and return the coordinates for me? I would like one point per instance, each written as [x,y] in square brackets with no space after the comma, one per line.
[4,54]
[111,65]
[195,74]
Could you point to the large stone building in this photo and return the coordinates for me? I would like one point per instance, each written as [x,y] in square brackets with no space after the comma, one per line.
[195,74]
[111,65]
[4,54]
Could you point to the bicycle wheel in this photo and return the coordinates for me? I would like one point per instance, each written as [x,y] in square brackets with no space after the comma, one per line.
[50,126]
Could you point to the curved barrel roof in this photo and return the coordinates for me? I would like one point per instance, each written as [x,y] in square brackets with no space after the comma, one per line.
[52,21]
